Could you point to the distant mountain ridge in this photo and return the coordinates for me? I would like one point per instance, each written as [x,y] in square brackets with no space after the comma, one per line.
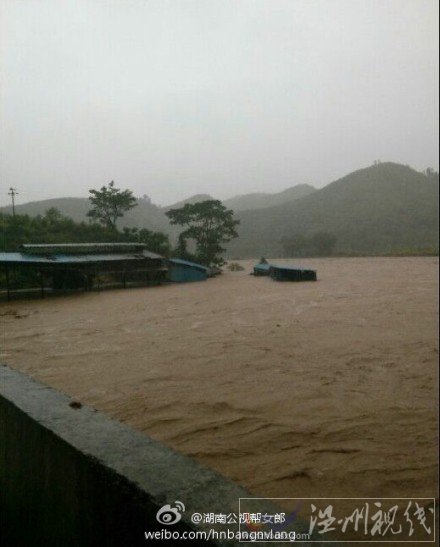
[192,199]
[146,214]
[378,209]
[262,200]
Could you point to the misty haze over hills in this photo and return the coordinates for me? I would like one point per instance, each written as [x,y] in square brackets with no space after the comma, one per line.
[383,208]
[380,209]
[176,98]
[262,200]
[192,199]
[148,215]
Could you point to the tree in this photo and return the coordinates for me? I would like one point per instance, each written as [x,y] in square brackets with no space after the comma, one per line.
[109,204]
[209,224]
[156,242]
[181,250]
[53,227]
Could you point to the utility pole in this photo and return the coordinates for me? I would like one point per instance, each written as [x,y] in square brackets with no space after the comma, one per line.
[13,192]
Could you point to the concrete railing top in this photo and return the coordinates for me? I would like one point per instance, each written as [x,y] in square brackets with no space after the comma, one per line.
[163,475]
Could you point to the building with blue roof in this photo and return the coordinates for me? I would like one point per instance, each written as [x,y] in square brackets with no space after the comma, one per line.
[184,271]
[79,266]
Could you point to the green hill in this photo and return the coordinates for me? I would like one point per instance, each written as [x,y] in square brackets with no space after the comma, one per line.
[75,208]
[193,199]
[385,208]
[144,215]
[381,209]
[262,200]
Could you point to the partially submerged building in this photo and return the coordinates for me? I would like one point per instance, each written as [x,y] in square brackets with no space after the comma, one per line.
[284,273]
[261,269]
[69,266]
[184,271]
[291,273]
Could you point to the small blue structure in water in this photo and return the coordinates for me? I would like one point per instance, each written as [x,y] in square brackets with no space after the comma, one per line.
[262,269]
[183,271]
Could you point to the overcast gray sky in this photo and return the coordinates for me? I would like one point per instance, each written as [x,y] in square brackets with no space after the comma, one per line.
[176,97]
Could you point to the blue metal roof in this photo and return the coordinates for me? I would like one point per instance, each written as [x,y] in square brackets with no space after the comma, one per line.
[262,267]
[290,267]
[26,258]
[58,249]
[20,257]
[99,245]
[181,262]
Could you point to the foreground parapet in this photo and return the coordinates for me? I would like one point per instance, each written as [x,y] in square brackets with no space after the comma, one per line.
[77,477]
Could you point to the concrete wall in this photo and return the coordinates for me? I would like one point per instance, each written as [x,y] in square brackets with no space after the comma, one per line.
[73,477]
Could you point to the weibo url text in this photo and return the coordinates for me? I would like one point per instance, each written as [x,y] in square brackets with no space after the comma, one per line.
[252,536]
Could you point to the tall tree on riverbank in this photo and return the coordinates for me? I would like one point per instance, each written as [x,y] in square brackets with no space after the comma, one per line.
[110,203]
[208,224]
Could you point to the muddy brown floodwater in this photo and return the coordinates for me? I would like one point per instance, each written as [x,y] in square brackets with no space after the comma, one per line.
[292,389]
